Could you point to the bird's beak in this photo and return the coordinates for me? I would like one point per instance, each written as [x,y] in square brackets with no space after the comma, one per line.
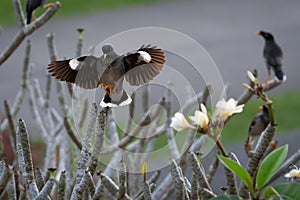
[257,33]
[104,56]
[261,107]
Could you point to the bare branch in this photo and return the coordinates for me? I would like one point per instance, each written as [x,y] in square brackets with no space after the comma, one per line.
[61,186]
[19,13]
[11,123]
[146,120]
[39,179]
[257,154]
[21,93]
[27,30]
[72,134]
[247,94]
[5,175]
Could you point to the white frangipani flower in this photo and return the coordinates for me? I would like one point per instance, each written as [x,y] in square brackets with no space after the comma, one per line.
[293,173]
[251,76]
[225,109]
[200,118]
[179,122]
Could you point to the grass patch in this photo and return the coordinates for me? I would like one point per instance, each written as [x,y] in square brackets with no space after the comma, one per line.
[69,7]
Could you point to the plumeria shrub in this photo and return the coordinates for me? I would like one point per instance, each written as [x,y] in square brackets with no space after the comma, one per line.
[88,156]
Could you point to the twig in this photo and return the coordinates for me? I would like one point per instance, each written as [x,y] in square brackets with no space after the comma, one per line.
[12,134]
[206,194]
[123,180]
[99,190]
[19,13]
[99,138]
[170,134]
[71,133]
[45,192]
[38,93]
[131,114]
[5,176]
[39,179]
[194,188]
[198,170]
[83,113]
[25,159]
[110,185]
[11,188]
[231,181]
[212,169]
[36,114]
[80,187]
[181,190]
[255,157]
[61,97]
[146,120]
[86,147]
[246,95]
[61,186]
[147,191]
[27,30]
[22,91]
[90,184]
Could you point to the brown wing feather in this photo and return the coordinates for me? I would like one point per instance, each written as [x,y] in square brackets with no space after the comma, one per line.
[86,76]
[138,71]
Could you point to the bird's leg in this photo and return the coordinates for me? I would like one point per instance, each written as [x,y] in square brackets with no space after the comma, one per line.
[48,5]
[108,88]
[34,17]
[250,143]
[273,144]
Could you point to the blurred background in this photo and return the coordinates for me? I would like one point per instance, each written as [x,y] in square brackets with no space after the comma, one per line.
[226,29]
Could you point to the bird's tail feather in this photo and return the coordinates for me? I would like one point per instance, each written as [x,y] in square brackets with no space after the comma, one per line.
[113,101]
[280,75]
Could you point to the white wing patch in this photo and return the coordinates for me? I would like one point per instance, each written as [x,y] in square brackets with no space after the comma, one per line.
[145,56]
[74,64]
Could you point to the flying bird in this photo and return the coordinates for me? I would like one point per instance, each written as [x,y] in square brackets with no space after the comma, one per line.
[109,71]
[273,56]
[31,5]
[258,125]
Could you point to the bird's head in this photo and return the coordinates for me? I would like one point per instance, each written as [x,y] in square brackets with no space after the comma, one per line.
[264,109]
[266,35]
[106,49]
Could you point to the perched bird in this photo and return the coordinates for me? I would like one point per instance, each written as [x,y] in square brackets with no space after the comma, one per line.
[109,71]
[273,56]
[31,5]
[258,125]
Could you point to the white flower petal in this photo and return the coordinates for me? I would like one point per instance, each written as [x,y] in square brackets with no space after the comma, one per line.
[203,108]
[226,109]
[251,76]
[179,122]
[293,173]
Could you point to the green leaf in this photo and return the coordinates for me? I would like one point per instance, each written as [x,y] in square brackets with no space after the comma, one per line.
[225,197]
[239,171]
[270,165]
[287,191]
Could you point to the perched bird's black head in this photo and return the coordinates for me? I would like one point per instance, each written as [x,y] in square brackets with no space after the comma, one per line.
[266,35]
[107,48]
[264,109]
